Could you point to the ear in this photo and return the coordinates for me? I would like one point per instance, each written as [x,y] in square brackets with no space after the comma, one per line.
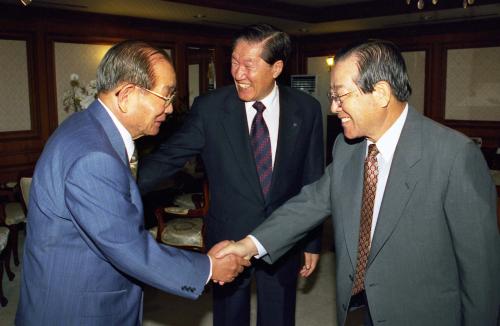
[124,97]
[277,68]
[382,93]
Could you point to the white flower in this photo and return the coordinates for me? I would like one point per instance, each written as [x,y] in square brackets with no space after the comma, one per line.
[79,97]
[85,102]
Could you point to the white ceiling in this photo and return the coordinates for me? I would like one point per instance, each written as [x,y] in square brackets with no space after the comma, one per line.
[195,14]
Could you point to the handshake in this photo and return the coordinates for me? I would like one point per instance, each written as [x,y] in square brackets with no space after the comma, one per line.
[229,259]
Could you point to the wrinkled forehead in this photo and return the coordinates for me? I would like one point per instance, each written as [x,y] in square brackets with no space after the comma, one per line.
[164,74]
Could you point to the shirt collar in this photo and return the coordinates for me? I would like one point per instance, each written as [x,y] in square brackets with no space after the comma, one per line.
[127,138]
[386,145]
[269,101]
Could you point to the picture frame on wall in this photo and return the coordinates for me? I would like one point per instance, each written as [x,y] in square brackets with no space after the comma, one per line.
[472,84]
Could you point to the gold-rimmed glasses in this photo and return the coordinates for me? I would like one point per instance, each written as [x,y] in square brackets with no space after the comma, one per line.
[167,100]
[337,98]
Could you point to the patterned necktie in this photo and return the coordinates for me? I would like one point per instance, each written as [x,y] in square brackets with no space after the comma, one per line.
[369,189]
[133,163]
[261,145]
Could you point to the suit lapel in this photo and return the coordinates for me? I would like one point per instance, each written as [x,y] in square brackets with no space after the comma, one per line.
[352,181]
[402,179]
[235,125]
[289,127]
[98,112]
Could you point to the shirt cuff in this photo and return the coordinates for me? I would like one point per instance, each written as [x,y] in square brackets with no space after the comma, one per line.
[260,248]
[210,271]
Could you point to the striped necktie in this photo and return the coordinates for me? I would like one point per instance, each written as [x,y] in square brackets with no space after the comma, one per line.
[133,163]
[261,145]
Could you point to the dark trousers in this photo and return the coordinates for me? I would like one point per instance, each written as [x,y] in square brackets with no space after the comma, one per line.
[276,294]
[359,312]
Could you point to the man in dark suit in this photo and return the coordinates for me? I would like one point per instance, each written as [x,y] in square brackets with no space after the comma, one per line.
[246,186]
[87,252]
[412,204]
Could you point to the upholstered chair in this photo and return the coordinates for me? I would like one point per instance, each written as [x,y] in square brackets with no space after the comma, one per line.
[14,204]
[181,225]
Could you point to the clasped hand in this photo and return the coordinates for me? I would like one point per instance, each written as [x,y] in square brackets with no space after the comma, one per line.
[246,249]
[226,266]
[229,259]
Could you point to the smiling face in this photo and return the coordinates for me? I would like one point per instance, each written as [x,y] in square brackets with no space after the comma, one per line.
[359,112]
[150,110]
[254,78]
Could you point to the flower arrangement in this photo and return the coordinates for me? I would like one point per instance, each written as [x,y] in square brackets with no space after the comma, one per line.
[79,96]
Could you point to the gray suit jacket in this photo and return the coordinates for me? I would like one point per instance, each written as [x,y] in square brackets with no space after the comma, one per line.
[434,258]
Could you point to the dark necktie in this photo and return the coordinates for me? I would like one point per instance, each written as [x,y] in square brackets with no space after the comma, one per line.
[261,145]
[368,200]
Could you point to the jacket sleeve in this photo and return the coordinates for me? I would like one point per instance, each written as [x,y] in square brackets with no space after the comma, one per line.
[294,219]
[106,210]
[172,154]
[313,170]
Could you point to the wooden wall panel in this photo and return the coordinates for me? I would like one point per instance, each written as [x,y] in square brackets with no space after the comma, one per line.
[435,40]
[40,27]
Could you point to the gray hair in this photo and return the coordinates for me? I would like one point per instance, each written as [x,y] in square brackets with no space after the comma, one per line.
[379,60]
[128,62]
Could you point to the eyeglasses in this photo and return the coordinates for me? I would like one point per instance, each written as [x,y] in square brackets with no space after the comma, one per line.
[167,100]
[337,98]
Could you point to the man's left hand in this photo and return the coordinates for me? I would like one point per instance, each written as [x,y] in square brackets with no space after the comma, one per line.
[310,263]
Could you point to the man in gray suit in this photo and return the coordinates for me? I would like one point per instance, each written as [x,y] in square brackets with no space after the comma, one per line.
[433,245]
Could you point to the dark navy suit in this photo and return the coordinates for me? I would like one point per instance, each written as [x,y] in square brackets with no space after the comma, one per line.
[217,128]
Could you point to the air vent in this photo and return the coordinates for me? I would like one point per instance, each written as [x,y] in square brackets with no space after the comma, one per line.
[305,83]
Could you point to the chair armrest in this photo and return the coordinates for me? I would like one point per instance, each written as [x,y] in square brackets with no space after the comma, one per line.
[198,212]
[159,214]
[197,200]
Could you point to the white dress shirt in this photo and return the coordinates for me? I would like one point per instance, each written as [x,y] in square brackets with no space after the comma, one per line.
[126,137]
[386,146]
[271,117]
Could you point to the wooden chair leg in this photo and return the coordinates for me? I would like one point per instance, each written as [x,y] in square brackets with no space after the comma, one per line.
[15,240]
[3,299]
[6,259]
[160,223]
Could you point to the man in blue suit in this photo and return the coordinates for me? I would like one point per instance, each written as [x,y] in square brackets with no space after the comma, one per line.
[86,249]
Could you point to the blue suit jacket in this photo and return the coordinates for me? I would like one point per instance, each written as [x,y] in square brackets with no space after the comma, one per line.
[86,248]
